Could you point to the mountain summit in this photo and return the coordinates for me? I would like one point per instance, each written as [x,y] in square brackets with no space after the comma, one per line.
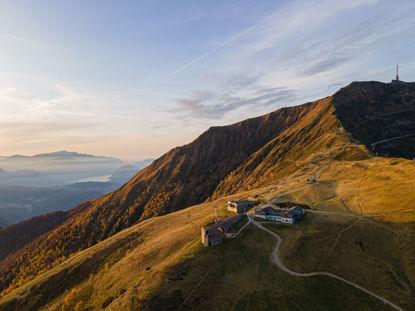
[379,115]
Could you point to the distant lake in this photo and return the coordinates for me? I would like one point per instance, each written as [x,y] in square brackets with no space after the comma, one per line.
[102,178]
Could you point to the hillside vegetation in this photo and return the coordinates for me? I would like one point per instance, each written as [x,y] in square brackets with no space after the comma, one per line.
[184,176]
[160,263]
[274,154]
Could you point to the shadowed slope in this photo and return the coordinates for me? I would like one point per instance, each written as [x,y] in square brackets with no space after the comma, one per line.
[375,111]
[219,162]
[316,129]
[14,237]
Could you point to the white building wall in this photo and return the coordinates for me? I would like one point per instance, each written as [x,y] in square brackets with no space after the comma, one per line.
[276,218]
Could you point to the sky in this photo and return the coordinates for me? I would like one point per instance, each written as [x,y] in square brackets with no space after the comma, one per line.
[133,79]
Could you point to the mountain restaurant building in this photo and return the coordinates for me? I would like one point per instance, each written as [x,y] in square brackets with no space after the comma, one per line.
[287,216]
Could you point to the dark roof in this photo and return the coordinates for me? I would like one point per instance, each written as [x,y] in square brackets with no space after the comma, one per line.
[282,212]
[242,202]
[297,210]
[263,210]
[215,234]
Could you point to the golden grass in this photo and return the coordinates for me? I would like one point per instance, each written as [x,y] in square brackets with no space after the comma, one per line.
[361,227]
[377,255]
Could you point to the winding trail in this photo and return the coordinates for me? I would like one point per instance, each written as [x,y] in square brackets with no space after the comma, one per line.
[26,292]
[338,238]
[275,252]
[278,263]
[243,227]
[388,139]
[194,288]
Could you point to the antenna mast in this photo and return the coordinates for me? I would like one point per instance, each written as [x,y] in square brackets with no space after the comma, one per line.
[397,72]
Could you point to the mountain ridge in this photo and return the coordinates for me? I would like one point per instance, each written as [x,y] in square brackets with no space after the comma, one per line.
[213,165]
[56,168]
[62,153]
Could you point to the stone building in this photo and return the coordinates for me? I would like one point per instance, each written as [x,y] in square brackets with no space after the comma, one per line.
[214,234]
[240,206]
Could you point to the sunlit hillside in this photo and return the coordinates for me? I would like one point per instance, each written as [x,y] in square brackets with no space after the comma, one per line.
[161,261]
[132,249]
[220,155]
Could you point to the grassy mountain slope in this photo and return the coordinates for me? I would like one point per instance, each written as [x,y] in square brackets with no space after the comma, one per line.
[362,112]
[296,141]
[184,176]
[161,264]
[316,129]
[14,237]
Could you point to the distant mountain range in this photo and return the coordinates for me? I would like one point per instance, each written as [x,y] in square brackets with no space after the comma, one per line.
[54,169]
[54,184]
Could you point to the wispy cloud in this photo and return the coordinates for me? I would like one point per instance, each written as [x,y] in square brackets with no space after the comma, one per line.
[267,32]
[254,61]
[301,46]
[207,105]
[223,44]
[324,64]
[269,50]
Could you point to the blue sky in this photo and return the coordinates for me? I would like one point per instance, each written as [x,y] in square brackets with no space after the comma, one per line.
[133,79]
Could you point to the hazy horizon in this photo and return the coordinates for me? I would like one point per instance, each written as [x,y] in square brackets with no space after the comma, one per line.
[72,151]
[136,79]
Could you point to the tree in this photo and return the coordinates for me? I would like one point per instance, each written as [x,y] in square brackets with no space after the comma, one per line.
[79,306]
[70,297]
[91,278]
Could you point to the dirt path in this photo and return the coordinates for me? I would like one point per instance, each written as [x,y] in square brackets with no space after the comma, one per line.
[240,230]
[278,263]
[275,252]
[288,192]
[338,238]
[194,288]
[316,175]
[26,292]
[389,139]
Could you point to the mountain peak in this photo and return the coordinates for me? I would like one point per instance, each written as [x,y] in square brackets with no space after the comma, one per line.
[63,153]
[17,156]
[375,111]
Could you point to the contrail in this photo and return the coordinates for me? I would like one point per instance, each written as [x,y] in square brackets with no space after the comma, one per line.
[220,46]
